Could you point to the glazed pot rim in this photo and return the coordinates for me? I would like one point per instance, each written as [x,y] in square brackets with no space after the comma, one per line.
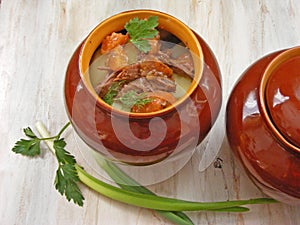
[272,66]
[166,18]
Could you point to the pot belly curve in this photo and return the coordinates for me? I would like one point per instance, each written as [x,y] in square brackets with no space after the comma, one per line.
[274,169]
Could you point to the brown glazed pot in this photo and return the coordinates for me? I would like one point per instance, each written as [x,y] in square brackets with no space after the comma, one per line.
[129,137]
[263,124]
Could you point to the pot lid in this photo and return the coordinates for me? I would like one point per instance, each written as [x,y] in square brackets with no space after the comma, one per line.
[282,95]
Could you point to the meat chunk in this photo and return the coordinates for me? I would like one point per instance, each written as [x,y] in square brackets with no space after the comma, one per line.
[123,75]
[162,83]
[147,69]
[149,84]
[182,65]
[155,68]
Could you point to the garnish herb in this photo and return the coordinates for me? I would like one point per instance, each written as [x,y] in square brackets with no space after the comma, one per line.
[29,147]
[112,92]
[140,30]
[132,98]
[66,175]
[70,173]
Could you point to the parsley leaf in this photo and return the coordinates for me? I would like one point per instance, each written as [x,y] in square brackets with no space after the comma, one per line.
[29,147]
[139,30]
[144,28]
[142,45]
[66,175]
[62,155]
[66,183]
[132,98]
[60,183]
[113,91]
[29,133]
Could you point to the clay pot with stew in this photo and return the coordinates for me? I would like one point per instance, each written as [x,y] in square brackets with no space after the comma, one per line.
[161,129]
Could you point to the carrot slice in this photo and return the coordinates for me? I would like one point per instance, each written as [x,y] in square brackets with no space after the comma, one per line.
[113,40]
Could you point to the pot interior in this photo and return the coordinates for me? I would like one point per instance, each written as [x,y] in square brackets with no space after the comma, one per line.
[116,23]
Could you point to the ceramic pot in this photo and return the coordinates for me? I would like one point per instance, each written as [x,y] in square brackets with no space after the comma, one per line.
[263,124]
[143,138]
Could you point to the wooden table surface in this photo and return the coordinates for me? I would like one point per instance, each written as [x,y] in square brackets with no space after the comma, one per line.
[36,42]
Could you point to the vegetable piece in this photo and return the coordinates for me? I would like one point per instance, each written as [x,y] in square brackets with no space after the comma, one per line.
[117,58]
[127,183]
[156,103]
[163,203]
[140,30]
[112,41]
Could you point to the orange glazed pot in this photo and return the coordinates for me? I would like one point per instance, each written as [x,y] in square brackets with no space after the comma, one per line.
[143,138]
[263,124]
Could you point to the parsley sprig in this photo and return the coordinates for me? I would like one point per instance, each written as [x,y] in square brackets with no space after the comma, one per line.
[141,30]
[66,175]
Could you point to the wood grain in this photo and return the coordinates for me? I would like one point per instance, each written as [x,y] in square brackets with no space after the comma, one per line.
[36,42]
